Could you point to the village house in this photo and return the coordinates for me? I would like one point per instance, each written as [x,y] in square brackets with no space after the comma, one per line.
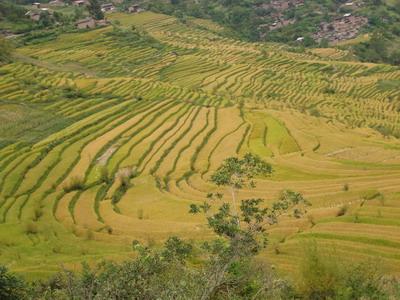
[36,5]
[108,7]
[102,22]
[80,3]
[134,9]
[85,23]
[56,3]
[88,23]
[343,28]
[33,15]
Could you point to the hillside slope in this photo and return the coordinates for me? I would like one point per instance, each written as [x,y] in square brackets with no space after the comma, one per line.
[108,135]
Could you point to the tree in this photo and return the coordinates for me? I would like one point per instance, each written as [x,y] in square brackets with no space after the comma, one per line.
[11,287]
[242,233]
[238,173]
[396,5]
[95,10]
[78,13]
[46,19]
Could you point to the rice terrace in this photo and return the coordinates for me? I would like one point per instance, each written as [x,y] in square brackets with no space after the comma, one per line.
[107,135]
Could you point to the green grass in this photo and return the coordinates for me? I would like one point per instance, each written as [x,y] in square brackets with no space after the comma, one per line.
[357,239]
[28,123]
[388,85]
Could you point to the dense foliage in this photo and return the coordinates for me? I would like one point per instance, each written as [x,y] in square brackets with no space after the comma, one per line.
[325,277]
[11,12]
[95,10]
[380,48]
[13,17]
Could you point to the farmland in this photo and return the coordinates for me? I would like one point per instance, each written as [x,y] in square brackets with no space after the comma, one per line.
[107,136]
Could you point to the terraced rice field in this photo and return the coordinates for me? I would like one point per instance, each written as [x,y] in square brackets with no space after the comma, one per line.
[140,126]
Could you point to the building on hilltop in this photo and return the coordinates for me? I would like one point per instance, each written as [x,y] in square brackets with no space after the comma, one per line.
[80,3]
[33,15]
[135,9]
[56,3]
[102,22]
[36,15]
[88,23]
[85,23]
[108,7]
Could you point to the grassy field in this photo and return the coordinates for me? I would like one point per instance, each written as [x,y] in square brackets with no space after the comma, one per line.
[107,137]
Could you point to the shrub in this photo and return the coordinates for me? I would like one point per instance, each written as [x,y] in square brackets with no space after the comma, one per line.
[140,213]
[329,91]
[371,195]
[11,286]
[346,187]
[72,93]
[342,210]
[314,112]
[109,229]
[89,235]
[277,249]
[324,277]
[31,228]
[104,175]
[124,177]
[311,219]
[384,130]
[356,218]
[57,249]
[75,183]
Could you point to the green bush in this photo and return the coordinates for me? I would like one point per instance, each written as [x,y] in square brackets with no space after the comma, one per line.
[342,211]
[314,112]
[75,183]
[329,91]
[31,228]
[11,286]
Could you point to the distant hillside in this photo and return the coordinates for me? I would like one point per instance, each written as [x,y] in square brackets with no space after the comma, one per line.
[303,22]
[369,29]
